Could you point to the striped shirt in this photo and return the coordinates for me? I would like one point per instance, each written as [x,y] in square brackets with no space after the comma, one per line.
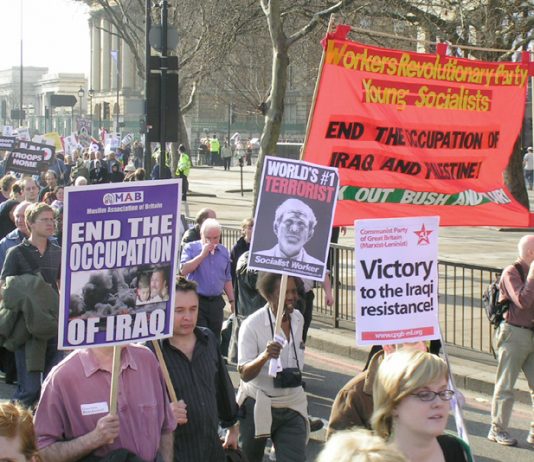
[205,386]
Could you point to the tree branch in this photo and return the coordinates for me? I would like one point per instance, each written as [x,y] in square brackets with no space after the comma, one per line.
[315,20]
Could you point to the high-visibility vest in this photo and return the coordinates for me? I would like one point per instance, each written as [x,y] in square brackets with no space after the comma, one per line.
[214,145]
[184,164]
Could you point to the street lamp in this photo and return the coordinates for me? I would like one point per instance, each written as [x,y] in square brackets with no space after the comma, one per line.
[81,94]
[90,95]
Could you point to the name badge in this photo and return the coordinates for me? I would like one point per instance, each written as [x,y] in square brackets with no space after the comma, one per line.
[95,408]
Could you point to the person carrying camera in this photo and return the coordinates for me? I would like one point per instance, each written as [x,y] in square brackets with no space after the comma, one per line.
[272,407]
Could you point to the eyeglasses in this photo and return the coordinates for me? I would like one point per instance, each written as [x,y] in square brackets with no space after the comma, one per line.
[428,395]
[45,220]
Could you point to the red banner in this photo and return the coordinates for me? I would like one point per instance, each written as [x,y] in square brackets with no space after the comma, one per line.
[418,134]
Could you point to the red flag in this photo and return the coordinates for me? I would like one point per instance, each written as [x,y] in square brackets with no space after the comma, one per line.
[418,134]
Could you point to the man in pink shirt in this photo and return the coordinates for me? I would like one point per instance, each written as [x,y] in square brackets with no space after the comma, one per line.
[73,420]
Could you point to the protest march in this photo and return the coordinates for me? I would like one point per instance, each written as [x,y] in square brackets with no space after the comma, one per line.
[134,332]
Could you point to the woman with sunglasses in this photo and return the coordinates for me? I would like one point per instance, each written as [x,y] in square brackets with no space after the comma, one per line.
[411,407]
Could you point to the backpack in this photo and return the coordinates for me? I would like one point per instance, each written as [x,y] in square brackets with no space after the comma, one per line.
[494,308]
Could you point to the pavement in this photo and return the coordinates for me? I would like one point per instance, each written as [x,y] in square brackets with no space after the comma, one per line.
[221,190]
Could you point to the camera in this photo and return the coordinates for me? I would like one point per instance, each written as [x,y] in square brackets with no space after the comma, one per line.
[288,378]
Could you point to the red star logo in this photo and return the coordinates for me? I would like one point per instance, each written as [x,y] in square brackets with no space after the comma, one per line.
[423,234]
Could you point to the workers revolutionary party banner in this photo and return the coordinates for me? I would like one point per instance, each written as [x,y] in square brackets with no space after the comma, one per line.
[293,219]
[396,280]
[417,134]
[119,263]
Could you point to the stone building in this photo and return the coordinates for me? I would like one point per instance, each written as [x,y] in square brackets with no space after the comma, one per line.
[38,87]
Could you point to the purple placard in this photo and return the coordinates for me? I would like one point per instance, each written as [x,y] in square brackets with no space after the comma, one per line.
[293,219]
[119,262]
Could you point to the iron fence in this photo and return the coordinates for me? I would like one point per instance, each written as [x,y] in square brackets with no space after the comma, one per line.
[462,318]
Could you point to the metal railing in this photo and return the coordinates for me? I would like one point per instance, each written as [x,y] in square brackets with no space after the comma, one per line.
[463,320]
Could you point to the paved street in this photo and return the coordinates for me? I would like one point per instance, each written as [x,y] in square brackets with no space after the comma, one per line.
[326,374]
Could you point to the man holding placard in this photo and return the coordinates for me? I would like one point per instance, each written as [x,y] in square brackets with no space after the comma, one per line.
[73,419]
[273,407]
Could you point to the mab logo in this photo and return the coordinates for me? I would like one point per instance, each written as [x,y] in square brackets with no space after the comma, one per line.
[117,198]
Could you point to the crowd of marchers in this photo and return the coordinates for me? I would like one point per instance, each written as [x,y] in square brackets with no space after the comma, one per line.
[395,410]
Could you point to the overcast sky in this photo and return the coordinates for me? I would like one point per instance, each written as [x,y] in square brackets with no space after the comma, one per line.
[55,34]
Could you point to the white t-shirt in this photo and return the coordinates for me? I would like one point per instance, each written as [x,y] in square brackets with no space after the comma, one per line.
[528,160]
[255,333]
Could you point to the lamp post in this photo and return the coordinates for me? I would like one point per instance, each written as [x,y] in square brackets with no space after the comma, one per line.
[21,111]
[90,95]
[81,94]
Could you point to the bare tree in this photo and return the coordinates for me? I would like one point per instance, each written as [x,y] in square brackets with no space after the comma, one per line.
[481,24]
[304,16]
[204,38]
[232,39]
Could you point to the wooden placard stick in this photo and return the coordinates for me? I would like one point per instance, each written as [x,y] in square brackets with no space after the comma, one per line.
[281,305]
[115,374]
[163,366]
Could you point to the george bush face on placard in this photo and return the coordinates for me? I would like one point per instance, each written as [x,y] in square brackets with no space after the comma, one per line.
[294,226]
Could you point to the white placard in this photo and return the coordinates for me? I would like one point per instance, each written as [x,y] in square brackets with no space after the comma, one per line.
[396,280]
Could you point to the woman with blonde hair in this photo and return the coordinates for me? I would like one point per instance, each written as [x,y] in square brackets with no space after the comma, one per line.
[359,446]
[17,436]
[411,407]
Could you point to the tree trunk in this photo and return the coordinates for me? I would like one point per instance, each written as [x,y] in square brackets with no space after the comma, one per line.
[275,102]
[273,117]
[513,176]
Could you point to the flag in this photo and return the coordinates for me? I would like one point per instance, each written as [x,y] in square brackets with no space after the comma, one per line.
[416,134]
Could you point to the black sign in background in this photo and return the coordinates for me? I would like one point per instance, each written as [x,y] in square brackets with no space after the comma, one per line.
[49,151]
[7,143]
[16,162]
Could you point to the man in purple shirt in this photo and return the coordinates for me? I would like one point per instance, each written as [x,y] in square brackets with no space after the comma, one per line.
[207,262]
[73,420]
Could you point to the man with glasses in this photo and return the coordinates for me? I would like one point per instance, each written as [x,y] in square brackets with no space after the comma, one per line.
[35,254]
[16,236]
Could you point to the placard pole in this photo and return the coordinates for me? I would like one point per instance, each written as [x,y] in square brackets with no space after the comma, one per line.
[166,376]
[115,374]
[281,304]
